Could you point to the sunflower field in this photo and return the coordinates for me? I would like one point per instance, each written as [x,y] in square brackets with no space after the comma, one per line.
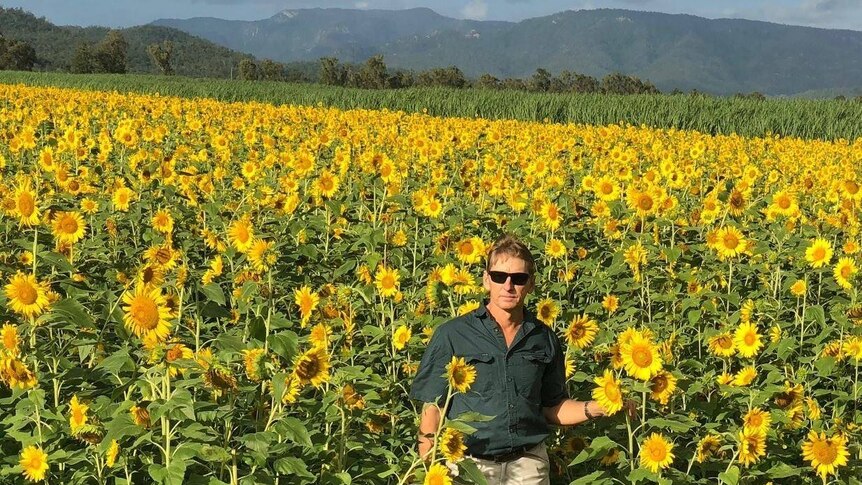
[203,292]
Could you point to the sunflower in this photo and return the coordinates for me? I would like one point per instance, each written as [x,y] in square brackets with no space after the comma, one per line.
[77,414]
[437,474]
[745,376]
[852,348]
[26,295]
[606,189]
[25,207]
[756,420]
[708,446]
[610,303]
[547,311]
[122,198]
[292,388]
[320,336]
[844,271]
[111,454]
[662,386]
[261,255]
[9,339]
[752,446]
[327,184]
[747,340]
[162,255]
[467,307]
[34,463]
[640,357]
[140,415]
[351,398]
[551,216]
[163,221]
[825,454]
[387,281]
[819,253]
[798,288]
[147,314]
[307,301]
[729,242]
[15,373]
[401,337]
[240,233]
[452,445]
[254,363]
[608,394]
[68,227]
[722,344]
[555,248]
[470,250]
[656,453]
[581,331]
[460,374]
[312,367]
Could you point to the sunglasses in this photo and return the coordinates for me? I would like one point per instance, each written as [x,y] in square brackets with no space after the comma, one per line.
[500,277]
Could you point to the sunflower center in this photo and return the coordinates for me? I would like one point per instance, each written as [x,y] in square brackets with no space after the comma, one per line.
[657,452]
[69,225]
[27,293]
[578,331]
[145,312]
[642,357]
[825,451]
[731,241]
[26,204]
[612,392]
[749,338]
[466,247]
[845,272]
[308,369]
[784,202]
[725,342]
[851,187]
[388,282]
[819,253]
[659,384]
[645,202]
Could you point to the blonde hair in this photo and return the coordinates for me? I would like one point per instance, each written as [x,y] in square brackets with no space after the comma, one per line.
[510,246]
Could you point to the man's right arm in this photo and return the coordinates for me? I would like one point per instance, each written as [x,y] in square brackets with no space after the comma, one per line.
[429,421]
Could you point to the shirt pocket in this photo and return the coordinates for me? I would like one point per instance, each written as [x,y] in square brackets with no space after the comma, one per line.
[528,371]
[485,373]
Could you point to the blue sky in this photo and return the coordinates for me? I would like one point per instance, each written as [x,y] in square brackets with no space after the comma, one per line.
[846,14]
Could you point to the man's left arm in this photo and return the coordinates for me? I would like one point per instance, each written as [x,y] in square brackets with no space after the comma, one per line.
[570,412]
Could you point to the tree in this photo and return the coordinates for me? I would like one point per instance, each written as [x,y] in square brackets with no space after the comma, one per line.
[247,70]
[514,84]
[331,72]
[443,76]
[84,61]
[271,70]
[16,55]
[372,75]
[617,83]
[111,52]
[487,81]
[541,81]
[160,55]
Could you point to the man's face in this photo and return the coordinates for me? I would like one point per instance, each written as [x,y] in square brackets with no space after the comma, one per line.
[507,295]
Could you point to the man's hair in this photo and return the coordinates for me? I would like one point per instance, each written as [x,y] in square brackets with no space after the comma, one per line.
[510,246]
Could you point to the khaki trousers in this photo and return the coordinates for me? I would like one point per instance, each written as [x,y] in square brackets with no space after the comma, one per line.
[531,469]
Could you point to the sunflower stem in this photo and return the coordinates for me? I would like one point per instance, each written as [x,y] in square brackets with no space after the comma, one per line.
[631,442]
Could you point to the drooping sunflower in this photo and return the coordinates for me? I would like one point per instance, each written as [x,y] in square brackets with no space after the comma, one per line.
[312,367]
[15,373]
[844,271]
[77,414]
[320,334]
[292,388]
[656,453]
[608,394]
[34,463]
[581,331]
[68,227]
[401,337]
[140,415]
[707,447]
[147,314]
[819,253]
[437,474]
[747,340]
[460,374]
[640,357]
[722,344]
[745,376]
[825,454]
[452,445]
[26,295]
[662,386]
[254,363]
[547,311]
[307,301]
[752,446]
[112,453]
[387,281]
[9,340]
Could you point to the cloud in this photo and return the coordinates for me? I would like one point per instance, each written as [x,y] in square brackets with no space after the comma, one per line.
[475,9]
[361,4]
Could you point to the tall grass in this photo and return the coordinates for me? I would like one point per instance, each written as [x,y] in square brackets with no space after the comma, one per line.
[803,118]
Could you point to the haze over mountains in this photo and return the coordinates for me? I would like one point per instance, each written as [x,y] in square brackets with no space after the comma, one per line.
[721,56]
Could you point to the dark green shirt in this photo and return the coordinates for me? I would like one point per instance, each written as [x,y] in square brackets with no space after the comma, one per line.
[512,384]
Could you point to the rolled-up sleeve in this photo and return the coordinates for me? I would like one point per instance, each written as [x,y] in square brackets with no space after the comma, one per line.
[554,380]
[430,385]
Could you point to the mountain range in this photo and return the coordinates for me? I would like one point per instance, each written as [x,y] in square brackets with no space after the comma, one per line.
[673,51]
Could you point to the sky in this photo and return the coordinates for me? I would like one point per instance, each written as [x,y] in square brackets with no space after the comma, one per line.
[841,14]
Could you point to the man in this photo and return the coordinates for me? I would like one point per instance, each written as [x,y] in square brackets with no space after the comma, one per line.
[520,376]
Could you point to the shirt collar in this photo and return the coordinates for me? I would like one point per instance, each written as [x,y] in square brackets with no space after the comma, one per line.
[485,317]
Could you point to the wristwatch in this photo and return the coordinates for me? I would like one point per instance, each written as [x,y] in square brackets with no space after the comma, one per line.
[587,410]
